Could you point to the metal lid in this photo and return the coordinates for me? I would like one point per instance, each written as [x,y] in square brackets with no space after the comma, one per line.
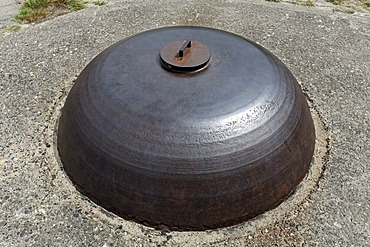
[196,150]
[185,56]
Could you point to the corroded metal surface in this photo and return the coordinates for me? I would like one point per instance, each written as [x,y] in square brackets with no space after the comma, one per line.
[186,151]
[184,56]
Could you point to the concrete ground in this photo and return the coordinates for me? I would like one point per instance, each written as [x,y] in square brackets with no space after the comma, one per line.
[8,8]
[327,52]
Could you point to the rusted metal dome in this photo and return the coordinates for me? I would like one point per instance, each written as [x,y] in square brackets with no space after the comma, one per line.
[188,128]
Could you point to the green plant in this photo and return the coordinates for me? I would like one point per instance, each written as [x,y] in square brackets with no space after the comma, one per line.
[75,4]
[32,10]
[366,3]
[337,2]
[100,2]
[12,28]
[35,4]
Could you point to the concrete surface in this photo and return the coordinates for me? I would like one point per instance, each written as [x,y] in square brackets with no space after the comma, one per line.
[8,9]
[327,52]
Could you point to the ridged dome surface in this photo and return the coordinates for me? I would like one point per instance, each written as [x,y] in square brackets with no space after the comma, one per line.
[186,151]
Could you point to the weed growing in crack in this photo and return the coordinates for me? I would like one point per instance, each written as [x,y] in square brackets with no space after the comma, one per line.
[34,10]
